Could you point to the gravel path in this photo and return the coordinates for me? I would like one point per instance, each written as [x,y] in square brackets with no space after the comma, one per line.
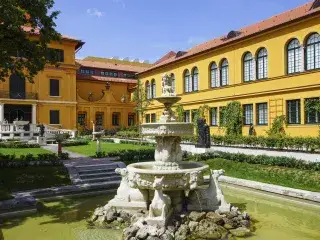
[54,148]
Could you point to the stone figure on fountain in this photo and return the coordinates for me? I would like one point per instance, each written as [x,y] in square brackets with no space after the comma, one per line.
[167,89]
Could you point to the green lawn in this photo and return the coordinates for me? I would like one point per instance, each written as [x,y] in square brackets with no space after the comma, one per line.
[287,177]
[22,151]
[91,148]
[32,177]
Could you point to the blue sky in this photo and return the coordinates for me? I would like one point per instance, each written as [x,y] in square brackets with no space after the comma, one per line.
[147,29]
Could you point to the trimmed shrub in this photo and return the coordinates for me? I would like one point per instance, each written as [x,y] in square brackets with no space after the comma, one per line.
[77,142]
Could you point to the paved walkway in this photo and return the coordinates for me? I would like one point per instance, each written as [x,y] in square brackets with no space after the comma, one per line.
[297,155]
[54,148]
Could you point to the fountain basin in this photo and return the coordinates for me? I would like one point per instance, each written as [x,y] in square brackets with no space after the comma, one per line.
[167,129]
[189,176]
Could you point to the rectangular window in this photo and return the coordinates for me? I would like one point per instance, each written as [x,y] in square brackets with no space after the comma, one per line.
[115,119]
[54,88]
[82,119]
[148,118]
[221,114]
[55,55]
[99,119]
[262,113]
[312,113]
[214,116]
[187,116]
[131,119]
[54,117]
[248,114]
[153,118]
[293,111]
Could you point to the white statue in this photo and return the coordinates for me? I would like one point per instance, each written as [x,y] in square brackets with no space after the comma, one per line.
[160,207]
[209,199]
[167,89]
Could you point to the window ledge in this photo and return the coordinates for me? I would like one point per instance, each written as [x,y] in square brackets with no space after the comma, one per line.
[55,96]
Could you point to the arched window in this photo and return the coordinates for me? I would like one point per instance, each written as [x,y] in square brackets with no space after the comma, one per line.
[148,90]
[262,68]
[187,82]
[248,73]
[294,56]
[173,82]
[153,88]
[214,76]
[313,52]
[224,78]
[195,79]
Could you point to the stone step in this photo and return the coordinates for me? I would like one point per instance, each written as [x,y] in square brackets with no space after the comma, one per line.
[97,175]
[97,167]
[93,171]
[101,179]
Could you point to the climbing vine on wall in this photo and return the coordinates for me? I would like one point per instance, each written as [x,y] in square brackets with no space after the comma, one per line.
[179,112]
[232,118]
[277,127]
[313,105]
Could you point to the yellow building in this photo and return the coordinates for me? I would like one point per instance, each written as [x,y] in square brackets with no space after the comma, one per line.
[271,67]
[51,99]
[104,87]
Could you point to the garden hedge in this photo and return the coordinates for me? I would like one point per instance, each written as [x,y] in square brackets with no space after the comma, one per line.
[77,142]
[129,155]
[259,159]
[11,144]
[45,159]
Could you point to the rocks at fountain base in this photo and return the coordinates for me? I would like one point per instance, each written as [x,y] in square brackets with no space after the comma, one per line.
[193,225]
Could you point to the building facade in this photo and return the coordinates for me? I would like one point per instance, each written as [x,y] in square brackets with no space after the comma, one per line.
[51,99]
[104,88]
[272,68]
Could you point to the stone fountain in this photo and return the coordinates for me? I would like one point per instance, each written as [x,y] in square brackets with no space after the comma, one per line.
[168,185]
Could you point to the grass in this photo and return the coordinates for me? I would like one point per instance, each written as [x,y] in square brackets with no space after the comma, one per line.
[32,177]
[22,151]
[91,148]
[287,177]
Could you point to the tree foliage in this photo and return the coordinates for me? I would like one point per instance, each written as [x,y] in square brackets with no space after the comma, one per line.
[20,53]
[232,118]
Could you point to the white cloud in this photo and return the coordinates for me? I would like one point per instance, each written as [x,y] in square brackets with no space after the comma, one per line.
[95,12]
[121,2]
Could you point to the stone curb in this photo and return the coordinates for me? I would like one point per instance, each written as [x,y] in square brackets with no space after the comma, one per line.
[285,191]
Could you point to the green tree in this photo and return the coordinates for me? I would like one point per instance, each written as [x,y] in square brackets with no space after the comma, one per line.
[232,118]
[142,103]
[21,54]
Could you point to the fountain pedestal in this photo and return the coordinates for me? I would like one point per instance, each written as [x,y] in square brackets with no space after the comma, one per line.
[167,180]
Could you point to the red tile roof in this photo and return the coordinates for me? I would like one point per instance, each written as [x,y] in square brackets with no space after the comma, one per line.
[165,57]
[105,79]
[111,66]
[36,31]
[303,11]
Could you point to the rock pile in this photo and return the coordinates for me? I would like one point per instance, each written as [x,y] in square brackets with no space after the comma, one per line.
[193,225]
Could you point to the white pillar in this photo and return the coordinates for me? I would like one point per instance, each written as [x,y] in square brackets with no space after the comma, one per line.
[1,112]
[302,67]
[254,66]
[34,114]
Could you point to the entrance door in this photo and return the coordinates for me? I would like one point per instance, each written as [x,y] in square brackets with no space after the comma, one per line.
[17,87]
